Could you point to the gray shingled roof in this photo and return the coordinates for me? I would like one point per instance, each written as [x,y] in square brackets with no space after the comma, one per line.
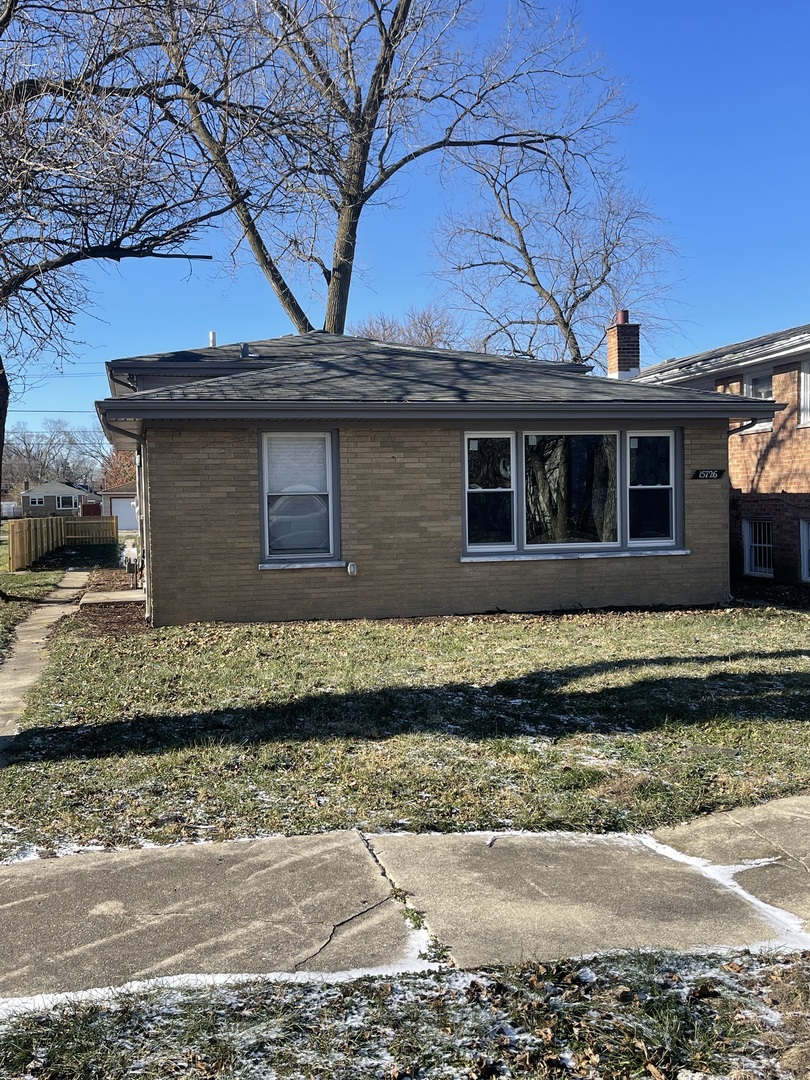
[729,357]
[324,376]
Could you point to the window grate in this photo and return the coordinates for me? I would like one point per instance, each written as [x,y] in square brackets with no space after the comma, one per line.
[758,548]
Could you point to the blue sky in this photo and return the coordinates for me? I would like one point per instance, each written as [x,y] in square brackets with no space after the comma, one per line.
[719,144]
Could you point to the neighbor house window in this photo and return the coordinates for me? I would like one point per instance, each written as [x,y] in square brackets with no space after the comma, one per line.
[650,497]
[490,470]
[758,548]
[805,542]
[36,500]
[761,387]
[804,393]
[529,492]
[67,502]
[299,495]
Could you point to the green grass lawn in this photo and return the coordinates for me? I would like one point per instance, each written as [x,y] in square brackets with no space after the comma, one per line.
[588,722]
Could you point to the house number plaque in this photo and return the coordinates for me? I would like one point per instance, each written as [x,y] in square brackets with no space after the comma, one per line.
[708,474]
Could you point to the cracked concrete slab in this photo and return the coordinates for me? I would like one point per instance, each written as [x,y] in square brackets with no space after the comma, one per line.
[778,831]
[314,903]
[554,895]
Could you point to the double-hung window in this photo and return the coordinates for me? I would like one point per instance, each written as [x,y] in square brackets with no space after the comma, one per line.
[530,492]
[650,495]
[36,500]
[299,496]
[490,470]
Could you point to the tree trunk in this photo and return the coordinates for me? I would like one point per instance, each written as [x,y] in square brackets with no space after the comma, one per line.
[337,299]
[5,394]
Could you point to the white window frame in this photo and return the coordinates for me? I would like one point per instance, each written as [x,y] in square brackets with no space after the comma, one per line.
[288,557]
[748,385]
[539,548]
[804,534]
[667,541]
[36,500]
[804,394]
[61,503]
[754,533]
[511,436]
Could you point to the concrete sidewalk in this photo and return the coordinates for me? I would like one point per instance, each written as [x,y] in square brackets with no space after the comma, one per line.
[334,902]
[26,660]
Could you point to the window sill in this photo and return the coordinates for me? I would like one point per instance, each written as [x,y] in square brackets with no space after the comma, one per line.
[547,556]
[319,565]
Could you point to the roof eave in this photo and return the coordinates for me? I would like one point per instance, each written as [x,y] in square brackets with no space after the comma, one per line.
[113,411]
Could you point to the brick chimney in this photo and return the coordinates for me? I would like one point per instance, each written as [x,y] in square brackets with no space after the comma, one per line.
[623,349]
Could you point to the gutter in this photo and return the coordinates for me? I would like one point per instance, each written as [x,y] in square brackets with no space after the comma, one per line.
[126,409]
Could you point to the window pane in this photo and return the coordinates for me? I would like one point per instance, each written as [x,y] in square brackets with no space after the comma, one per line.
[650,514]
[571,489]
[489,463]
[761,387]
[489,517]
[298,523]
[296,464]
[649,461]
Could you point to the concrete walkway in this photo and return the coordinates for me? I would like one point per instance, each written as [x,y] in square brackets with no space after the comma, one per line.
[26,661]
[334,902]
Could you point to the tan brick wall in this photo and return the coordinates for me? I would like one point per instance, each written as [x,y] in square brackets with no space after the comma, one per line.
[765,462]
[401,507]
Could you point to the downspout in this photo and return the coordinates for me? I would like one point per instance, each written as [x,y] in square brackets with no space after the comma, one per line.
[143,507]
[744,427]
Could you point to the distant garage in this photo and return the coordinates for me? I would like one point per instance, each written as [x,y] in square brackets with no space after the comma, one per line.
[119,502]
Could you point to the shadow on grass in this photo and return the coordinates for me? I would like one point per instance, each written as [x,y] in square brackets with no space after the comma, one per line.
[534,705]
[81,557]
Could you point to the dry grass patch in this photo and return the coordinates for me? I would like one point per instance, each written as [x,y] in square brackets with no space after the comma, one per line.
[597,722]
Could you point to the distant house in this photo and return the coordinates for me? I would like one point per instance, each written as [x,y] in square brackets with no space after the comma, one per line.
[320,476]
[55,499]
[769,461]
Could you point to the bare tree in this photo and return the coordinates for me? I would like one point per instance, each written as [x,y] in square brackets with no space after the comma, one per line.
[434,326]
[56,452]
[547,258]
[84,175]
[309,110]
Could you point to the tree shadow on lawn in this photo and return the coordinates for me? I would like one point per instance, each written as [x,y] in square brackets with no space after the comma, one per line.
[533,705]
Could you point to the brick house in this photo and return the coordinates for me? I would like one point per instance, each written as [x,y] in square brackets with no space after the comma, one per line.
[336,477]
[769,461]
[55,499]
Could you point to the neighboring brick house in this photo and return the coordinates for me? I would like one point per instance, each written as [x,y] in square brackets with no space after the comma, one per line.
[769,462]
[336,477]
[55,499]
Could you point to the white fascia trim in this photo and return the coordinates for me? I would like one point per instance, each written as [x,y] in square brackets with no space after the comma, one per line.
[546,556]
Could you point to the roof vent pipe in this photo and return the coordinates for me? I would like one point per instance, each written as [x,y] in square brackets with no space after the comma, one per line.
[212,338]
[244,351]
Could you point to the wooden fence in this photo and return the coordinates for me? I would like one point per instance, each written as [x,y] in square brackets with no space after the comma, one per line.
[31,538]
